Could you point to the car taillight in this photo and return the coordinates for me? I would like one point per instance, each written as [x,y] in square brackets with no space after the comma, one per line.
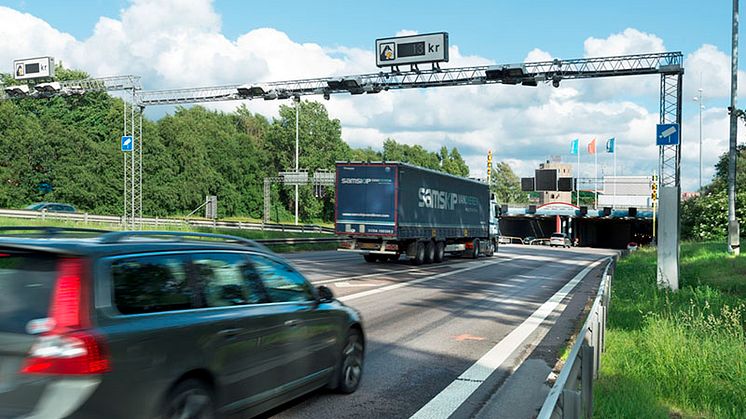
[68,348]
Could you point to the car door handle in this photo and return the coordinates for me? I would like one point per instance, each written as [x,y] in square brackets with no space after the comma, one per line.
[292,323]
[230,333]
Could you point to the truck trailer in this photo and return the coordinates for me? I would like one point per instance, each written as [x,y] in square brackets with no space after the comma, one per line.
[387,209]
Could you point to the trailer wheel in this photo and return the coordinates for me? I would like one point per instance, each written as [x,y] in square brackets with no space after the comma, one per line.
[393,258]
[429,252]
[490,249]
[440,252]
[370,258]
[419,254]
[475,249]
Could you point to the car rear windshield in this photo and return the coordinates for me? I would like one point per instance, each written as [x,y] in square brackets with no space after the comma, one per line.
[26,283]
[558,235]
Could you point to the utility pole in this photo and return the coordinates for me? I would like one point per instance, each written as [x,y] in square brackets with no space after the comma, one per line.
[296,99]
[733,227]
[698,99]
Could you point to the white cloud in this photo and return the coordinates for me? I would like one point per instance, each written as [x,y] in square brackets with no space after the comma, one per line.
[180,44]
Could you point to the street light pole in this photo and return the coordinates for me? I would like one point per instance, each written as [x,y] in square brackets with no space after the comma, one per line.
[733,226]
[698,99]
[296,99]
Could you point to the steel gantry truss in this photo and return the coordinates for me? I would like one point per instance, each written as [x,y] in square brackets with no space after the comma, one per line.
[130,87]
[529,74]
[669,65]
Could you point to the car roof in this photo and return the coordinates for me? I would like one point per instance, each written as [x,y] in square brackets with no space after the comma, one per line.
[115,243]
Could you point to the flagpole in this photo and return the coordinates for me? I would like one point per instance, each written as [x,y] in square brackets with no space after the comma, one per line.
[595,157]
[615,179]
[577,181]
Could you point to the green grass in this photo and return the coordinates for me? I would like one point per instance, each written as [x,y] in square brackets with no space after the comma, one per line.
[679,354]
[249,234]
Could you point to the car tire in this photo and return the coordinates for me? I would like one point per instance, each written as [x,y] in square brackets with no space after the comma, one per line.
[429,252]
[440,252]
[419,254]
[370,258]
[350,369]
[190,399]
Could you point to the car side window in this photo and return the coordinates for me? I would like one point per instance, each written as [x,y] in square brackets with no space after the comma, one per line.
[227,279]
[283,283]
[151,284]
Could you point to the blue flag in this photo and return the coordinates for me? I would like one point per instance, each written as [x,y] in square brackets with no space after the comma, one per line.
[610,145]
[574,146]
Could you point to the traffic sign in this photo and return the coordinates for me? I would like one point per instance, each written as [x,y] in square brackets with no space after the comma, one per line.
[414,49]
[33,68]
[667,134]
[127,143]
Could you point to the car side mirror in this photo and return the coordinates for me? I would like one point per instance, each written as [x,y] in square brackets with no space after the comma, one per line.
[325,294]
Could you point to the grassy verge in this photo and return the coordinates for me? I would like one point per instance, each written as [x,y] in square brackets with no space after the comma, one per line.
[249,234]
[677,354]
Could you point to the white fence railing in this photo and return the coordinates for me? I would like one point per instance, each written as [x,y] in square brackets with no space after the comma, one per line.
[165,222]
[571,396]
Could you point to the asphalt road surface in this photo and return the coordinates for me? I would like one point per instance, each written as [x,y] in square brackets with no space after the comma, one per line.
[443,339]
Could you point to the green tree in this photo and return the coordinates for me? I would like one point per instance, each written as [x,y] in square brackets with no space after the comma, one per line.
[506,185]
[320,146]
[452,162]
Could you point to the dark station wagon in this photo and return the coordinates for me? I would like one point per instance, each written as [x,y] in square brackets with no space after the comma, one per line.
[162,325]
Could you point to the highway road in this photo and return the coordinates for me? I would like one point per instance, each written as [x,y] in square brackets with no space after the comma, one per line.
[445,339]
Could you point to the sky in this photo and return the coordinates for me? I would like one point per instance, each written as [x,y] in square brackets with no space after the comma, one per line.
[193,43]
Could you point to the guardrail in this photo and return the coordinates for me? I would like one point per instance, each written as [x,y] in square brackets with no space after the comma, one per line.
[571,396]
[165,222]
[299,240]
[510,240]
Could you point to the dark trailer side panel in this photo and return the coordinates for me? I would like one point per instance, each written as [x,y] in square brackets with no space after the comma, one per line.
[433,204]
[366,199]
[408,202]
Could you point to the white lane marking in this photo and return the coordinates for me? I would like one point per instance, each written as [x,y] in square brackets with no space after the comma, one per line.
[346,284]
[418,281]
[452,397]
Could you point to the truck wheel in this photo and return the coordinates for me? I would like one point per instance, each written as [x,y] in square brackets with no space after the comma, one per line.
[370,258]
[490,249]
[440,252]
[393,258]
[419,255]
[475,249]
[429,252]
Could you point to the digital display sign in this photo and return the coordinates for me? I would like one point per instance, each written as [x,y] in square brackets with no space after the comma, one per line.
[527,184]
[410,49]
[546,179]
[33,68]
[564,184]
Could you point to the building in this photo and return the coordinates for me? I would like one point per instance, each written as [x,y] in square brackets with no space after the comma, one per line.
[563,170]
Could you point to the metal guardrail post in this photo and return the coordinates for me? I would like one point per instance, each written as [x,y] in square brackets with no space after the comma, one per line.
[587,367]
[582,367]
[570,404]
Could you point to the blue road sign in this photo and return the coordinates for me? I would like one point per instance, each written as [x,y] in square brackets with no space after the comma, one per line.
[127,143]
[667,134]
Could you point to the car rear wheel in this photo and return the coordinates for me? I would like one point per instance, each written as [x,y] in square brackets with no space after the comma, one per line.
[190,399]
[351,365]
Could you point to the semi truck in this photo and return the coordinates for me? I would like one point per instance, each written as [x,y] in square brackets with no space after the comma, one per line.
[385,210]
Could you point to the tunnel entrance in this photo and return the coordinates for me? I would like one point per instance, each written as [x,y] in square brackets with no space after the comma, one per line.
[602,232]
